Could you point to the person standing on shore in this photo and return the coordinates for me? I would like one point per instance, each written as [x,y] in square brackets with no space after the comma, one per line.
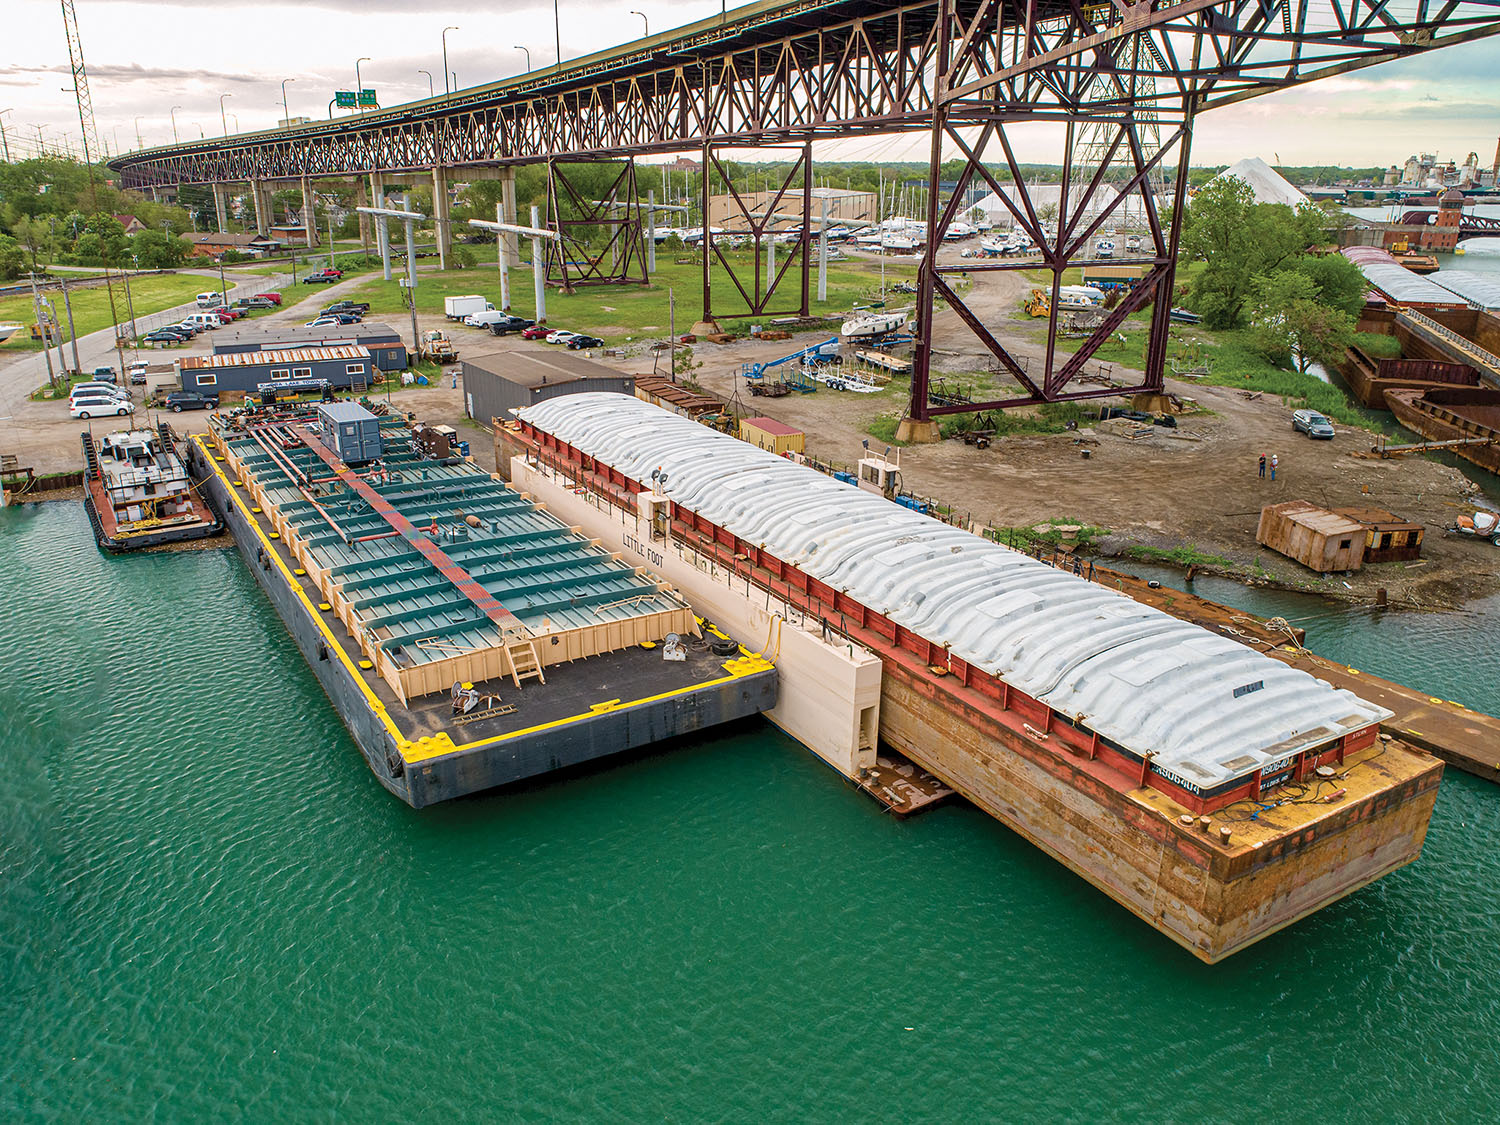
[1273,466]
[1263,465]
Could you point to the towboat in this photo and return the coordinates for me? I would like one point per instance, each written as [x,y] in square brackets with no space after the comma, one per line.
[137,492]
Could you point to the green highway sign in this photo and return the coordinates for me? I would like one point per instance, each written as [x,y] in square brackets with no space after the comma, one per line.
[367,97]
[344,99]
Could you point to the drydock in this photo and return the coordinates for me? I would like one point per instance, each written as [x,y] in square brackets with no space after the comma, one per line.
[1218,794]
[467,637]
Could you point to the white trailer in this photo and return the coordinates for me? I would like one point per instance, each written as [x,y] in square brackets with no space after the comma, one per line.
[456,308]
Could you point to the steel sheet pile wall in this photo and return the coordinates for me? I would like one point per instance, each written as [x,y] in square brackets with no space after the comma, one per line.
[1209,710]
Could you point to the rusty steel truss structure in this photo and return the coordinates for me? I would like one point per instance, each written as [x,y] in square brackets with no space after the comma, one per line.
[1130,74]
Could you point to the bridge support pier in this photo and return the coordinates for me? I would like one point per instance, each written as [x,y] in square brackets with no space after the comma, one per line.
[574,214]
[758,225]
[309,215]
[362,199]
[221,206]
[382,233]
[510,243]
[1131,139]
[262,212]
[442,227]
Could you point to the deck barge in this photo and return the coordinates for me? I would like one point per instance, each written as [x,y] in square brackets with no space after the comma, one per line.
[1216,793]
[467,637]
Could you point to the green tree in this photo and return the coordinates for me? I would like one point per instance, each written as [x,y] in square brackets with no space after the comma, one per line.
[1338,281]
[1290,324]
[154,250]
[35,235]
[12,258]
[1239,240]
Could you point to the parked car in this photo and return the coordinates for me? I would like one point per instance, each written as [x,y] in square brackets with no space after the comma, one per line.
[319,279]
[96,390]
[324,322]
[270,295]
[1311,423]
[578,343]
[227,315]
[344,317]
[535,332]
[166,336]
[560,336]
[510,324]
[178,401]
[210,300]
[136,373]
[100,407]
[360,307]
[261,302]
[105,375]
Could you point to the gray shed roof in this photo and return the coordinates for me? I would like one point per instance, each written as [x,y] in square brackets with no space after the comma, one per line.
[1211,709]
[1482,289]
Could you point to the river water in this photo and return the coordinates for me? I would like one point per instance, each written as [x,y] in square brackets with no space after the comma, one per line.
[209,910]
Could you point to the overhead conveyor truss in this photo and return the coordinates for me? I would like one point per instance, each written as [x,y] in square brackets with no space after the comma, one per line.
[439,572]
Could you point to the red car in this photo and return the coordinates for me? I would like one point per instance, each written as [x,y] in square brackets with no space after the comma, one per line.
[330,271]
[274,298]
[226,315]
[536,332]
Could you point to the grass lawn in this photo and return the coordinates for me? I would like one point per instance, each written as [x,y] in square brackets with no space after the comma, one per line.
[91,306]
[625,311]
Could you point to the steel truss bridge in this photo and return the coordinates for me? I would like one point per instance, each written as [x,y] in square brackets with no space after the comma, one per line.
[1123,79]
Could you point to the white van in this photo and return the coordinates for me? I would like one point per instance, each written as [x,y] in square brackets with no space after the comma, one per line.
[203,320]
[210,300]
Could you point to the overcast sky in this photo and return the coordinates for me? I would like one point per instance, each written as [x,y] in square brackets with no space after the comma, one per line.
[145,58]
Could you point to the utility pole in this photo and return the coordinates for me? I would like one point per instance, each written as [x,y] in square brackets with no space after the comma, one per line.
[41,324]
[72,332]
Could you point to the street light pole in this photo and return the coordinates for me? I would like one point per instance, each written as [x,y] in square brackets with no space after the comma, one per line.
[286,113]
[223,118]
[138,142]
[528,57]
[557,31]
[4,140]
[359,84]
[431,90]
[445,58]
[644,20]
[173,113]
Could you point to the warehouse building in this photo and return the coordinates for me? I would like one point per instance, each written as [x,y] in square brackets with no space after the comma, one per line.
[494,385]
[381,340]
[349,368]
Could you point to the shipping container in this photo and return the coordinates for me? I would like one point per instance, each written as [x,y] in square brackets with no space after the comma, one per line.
[350,431]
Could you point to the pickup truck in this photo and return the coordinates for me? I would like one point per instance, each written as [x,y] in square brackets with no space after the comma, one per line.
[359,308]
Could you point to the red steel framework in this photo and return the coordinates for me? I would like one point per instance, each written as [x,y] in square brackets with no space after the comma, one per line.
[573,261]
[756,227]
[967,71]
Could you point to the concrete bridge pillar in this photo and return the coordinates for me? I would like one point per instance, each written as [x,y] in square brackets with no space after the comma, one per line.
[221,207]
[259,195]
[511,243]
[362,199]
[441,225]
[309,218]
[382,229]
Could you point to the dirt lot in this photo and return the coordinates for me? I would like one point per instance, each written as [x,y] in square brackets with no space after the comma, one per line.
[1197,486]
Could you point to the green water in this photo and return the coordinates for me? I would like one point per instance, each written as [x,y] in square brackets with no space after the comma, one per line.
[210,911]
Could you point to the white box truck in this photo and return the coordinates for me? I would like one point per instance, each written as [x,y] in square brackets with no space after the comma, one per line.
[456,308]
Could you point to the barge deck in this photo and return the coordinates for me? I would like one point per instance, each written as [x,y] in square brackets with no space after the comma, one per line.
[463,656]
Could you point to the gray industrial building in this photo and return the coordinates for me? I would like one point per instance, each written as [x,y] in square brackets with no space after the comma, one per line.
[381,340]
[496,384]
[343,368]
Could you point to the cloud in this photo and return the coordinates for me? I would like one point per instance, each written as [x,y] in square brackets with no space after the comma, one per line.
[132,72]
